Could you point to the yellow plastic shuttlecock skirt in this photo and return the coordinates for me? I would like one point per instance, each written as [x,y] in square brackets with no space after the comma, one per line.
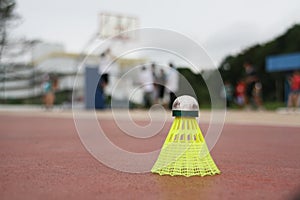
[185,152]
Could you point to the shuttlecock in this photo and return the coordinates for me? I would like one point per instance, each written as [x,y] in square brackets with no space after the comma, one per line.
[184,151]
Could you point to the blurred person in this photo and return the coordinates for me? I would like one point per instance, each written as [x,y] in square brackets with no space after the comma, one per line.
[257,95]
[50,85]
[240,91]
[253,87]
[161,82]
[172,84]
[227,93]
[155,83]
[103,69]
[146,80]
[293,99]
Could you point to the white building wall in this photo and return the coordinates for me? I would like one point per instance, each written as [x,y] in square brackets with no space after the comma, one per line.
[58,65]
[43,49]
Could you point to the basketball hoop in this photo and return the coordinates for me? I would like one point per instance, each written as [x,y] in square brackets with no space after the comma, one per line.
[116,25]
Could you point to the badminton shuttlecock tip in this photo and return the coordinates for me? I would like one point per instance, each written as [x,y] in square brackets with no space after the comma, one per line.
[186,106]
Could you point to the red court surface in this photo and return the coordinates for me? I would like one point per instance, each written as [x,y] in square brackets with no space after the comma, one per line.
[42,157]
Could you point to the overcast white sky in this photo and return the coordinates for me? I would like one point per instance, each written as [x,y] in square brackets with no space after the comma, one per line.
[221,27]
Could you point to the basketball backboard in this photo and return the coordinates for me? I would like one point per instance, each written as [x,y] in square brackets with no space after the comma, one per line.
[113,24]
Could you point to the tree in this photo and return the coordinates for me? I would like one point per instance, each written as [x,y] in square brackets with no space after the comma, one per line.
[7,17]
[232,70]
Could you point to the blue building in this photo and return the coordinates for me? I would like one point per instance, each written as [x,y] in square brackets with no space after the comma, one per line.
[284,63]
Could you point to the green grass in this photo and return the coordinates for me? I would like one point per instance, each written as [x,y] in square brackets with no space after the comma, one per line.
[64,96]
[60,97]
[273,105]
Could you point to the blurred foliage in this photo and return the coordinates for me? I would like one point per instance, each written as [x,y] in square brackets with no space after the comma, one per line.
[7,17]
[198,86]
[231,68]
[274,105]
[12,48]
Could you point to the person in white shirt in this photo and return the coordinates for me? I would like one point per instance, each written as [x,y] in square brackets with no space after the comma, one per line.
[146,80]
[172,84]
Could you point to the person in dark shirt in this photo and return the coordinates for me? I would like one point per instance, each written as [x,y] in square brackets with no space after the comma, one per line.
[253,86]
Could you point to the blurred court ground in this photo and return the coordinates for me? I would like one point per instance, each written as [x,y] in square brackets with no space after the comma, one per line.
[42,157]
